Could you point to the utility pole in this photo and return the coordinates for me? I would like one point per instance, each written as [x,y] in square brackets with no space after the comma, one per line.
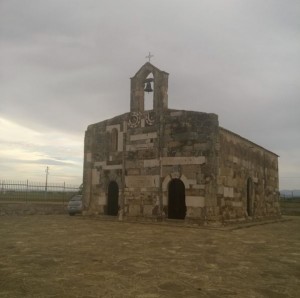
[46,185]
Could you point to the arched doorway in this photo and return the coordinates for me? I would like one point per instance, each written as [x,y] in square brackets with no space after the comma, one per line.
[249,197]
[113,199]
[176,199]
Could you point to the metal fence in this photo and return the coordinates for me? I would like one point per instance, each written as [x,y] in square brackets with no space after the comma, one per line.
[11,190]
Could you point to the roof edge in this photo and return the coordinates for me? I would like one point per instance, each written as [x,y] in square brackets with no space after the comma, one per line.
[152,66]
[244,139]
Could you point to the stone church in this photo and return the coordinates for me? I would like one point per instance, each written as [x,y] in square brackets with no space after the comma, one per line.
[162,164]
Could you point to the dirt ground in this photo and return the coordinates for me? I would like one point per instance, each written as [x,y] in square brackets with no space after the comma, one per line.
[63,256]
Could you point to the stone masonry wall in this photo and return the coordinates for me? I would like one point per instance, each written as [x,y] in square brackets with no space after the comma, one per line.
[152,150]
[247,179]
[142,171]
[189,153]
[101,163]
[132,162]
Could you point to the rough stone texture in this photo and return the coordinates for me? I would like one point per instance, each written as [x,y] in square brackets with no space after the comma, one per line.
[225,176]
[243,163]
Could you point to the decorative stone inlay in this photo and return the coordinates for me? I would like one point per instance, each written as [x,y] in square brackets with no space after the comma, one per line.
[150,118]
[134,119]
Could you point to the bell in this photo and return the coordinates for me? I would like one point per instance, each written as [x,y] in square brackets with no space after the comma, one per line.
[148,87]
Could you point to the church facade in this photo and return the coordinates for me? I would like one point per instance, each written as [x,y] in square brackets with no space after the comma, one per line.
[162,164]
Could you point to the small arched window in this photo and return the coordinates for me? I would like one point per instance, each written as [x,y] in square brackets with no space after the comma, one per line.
[249,197]
[114,140]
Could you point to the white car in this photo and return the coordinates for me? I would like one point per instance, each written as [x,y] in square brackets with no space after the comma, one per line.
[75,205]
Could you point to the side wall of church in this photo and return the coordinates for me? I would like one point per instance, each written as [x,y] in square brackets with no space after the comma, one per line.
[247,179]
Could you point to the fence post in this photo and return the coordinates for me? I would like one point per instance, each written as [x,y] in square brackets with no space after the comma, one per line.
[46,191]
[2,189]
[26,199]
[20,191]
[64,193]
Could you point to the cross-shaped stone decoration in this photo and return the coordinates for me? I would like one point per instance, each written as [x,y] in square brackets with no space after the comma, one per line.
[149,56]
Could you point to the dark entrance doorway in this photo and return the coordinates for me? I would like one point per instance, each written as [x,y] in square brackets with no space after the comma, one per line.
[113,199]
[176,200]
[249,197]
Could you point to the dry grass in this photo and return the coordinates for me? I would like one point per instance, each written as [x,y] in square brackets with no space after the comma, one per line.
[62,256]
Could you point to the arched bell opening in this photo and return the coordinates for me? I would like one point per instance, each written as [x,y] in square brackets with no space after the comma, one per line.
[157,99]
[149,92]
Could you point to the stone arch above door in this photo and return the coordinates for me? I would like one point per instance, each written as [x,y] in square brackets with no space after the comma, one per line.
[174,175]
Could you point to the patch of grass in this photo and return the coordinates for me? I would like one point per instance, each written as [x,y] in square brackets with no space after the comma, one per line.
[290,206]
[36,196]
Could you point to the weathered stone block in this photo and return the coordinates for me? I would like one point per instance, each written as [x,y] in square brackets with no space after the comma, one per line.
[147,210]
[228,192]
[95,176]
[88,157]
[134,210]
[195,201]
[133,172]
[142,181]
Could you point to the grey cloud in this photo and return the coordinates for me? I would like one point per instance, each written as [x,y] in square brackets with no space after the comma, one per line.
[50,162]
[66,64]
[45,162]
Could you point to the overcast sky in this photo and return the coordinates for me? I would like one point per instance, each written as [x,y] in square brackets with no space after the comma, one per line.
[65,64]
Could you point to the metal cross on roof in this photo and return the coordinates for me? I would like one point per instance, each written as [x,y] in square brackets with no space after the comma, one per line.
[149,56]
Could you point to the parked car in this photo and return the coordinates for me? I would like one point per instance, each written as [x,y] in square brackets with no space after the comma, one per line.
[75,205]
